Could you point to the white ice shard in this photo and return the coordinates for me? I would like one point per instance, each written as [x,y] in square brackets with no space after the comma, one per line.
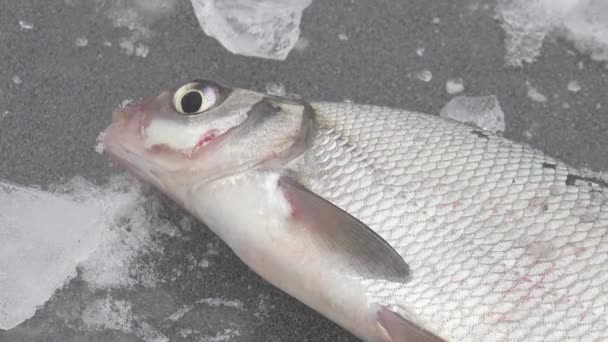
[454,86]
[256,28]
[25,25]
[482,111]
[528,22]
[275,88]
[424,75]
[44,236]
[534,94]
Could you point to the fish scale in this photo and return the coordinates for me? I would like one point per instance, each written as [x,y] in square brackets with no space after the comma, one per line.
[501,247]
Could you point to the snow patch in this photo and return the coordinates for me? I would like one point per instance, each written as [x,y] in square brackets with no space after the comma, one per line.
[136,16]
[528,23]
[109,313]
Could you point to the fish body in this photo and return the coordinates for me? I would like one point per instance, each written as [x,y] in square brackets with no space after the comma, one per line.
[396,225]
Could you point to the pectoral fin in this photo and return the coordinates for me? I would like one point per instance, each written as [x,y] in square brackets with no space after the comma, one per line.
[340,236]
[399,329]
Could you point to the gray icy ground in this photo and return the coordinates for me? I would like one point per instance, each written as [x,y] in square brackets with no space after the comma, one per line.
[59,82]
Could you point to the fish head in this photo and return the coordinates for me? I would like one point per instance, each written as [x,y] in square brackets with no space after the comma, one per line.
[203,131]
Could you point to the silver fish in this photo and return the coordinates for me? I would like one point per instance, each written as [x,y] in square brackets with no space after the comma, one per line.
[396,225]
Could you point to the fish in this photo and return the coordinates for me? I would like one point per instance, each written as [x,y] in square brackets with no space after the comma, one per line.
[396,225]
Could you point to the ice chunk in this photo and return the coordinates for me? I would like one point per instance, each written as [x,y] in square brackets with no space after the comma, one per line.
[275,88]
[424,75]
[81,41]
[17,80]
[263,28]
[142,50]
[342,37]
[534,94]
[127,46]
[482,111]
[46,235]
[420,51]
[25,25]
[528,22]
[43,237]
[454,86]
[99,147]
[574,86]
[125,103]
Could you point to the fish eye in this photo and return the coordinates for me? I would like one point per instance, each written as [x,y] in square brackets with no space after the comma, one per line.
[196,97]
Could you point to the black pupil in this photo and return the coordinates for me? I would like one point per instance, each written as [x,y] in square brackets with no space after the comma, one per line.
[191,102]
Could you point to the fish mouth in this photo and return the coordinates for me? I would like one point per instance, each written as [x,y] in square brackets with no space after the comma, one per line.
[123,140]
[124,143]
[124,146]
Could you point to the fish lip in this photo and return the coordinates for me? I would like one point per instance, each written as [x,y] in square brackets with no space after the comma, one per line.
[120,154]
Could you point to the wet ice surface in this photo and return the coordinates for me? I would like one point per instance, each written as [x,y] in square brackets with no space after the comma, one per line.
[265,29]
[107,248]
[528,23]
[482,111]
